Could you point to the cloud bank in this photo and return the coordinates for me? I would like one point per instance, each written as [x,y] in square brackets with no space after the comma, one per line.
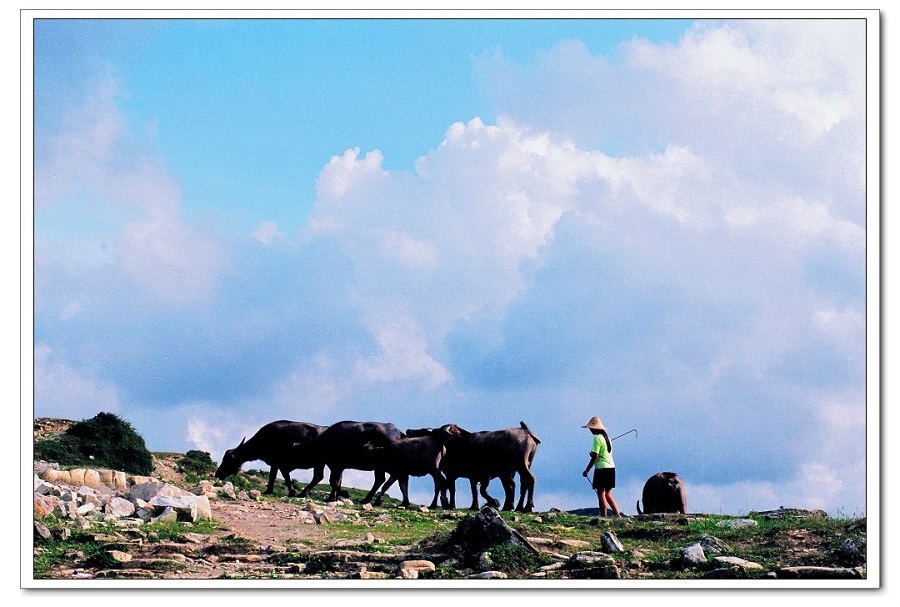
[673,239]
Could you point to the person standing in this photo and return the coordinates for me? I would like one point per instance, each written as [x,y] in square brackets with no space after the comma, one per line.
[604,480]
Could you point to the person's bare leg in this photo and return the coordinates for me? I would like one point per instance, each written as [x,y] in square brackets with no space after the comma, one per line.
[612,503]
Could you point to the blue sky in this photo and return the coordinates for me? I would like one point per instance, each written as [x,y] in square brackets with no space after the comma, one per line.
[660,222]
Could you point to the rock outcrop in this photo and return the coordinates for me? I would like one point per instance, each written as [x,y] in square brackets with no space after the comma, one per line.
[105,495]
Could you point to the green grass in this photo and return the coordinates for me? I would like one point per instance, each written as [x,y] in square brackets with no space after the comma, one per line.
[90,547]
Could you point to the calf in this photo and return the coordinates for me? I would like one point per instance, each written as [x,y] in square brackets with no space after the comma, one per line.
[418,455]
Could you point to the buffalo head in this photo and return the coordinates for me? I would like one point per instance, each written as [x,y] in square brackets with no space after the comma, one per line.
[231,462]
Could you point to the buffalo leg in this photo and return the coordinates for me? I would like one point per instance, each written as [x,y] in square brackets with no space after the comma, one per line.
[290,484]
[379,481]
[404,489]
[491,501]
[473,484]
[450,488]
[390,481]
[509,491]
[318,475]
[438,490]
[526,491]
[273,475]
[335,480]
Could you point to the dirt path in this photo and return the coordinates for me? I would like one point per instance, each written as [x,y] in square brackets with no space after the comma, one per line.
[267,522]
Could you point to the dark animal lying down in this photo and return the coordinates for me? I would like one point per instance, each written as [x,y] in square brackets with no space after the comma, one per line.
[663,493]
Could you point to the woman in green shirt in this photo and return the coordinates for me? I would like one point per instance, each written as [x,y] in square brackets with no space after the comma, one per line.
[604,467]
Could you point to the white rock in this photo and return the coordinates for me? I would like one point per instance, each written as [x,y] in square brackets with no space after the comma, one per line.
[733,560]
[737,523]
[118,506]
[693,555]
[149,490]
[488,575]
[610,542]
[417,565]
[41,486]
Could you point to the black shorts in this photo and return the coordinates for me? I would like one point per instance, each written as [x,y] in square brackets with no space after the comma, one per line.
[604,478]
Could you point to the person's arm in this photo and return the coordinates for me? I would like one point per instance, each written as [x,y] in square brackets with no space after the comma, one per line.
[591,463]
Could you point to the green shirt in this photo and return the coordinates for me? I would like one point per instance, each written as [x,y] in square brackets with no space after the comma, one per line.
[604,455]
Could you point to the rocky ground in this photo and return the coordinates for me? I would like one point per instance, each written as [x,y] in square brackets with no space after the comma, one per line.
[261,537]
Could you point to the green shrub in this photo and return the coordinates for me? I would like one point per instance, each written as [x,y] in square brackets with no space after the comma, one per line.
[198,463]
[104,441]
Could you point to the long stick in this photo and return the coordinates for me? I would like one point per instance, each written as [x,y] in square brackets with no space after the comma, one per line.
[629,432]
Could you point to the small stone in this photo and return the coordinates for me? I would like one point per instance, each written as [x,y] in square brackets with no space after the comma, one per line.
[574,543]
[119,556]
[591,559]
[41,531]
[610,542]
[724,573]
[417,565]
[713,545]
[693,556]
[488,575]
[738,523]
[821,572]
[364,574]
[737,562]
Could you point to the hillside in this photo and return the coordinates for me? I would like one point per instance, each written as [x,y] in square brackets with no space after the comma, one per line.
[254,536]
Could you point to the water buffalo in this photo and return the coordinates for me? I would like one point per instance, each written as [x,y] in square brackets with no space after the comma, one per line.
[349,444]
[418,454]
[663,493]
[481,456]
[284,445]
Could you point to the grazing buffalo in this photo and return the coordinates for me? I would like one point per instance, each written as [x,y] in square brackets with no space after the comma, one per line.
[349,444]
[481,456]
[284,445]
[663,493]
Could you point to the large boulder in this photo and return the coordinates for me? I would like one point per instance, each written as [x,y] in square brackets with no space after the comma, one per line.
[45,505]
[118,507]
[148,490]
[480,532]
